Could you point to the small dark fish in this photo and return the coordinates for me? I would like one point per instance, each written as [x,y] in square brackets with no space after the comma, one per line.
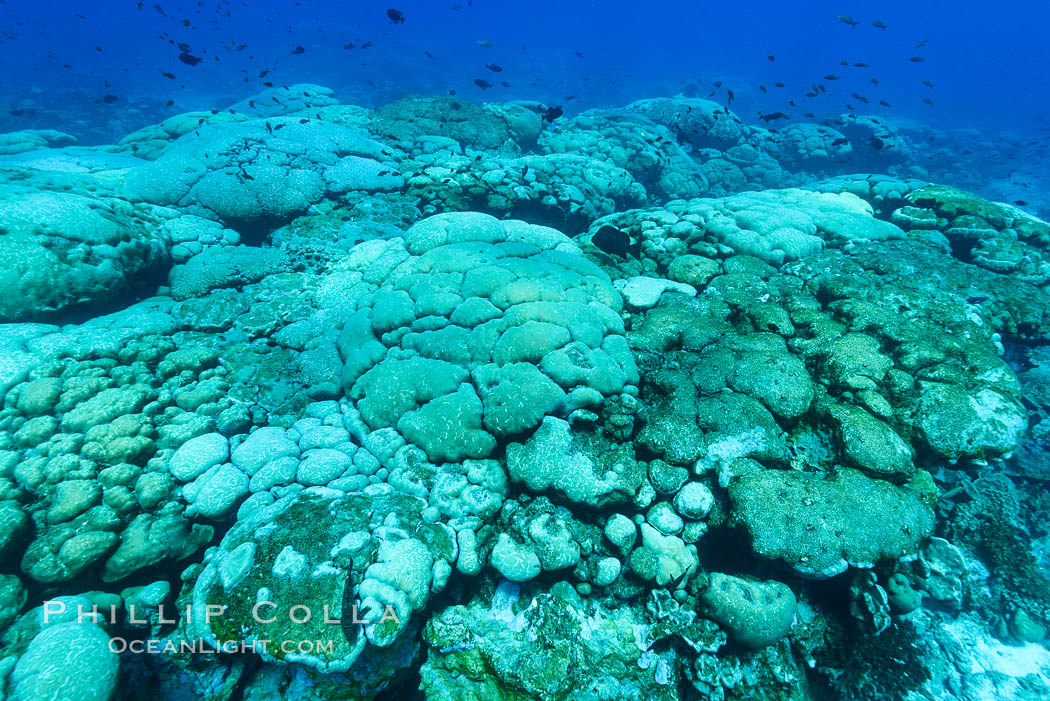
[977,299]
[1020,203]
[382,173]
[170,76]
[927,83]
[779,85]
[922,43]
[860,97]
[614,242]
[483,84]
[917,59]
[874,81]
[840,141]
[298,50]
[878,25]
[809,115]
[846,19]
[268,84]
[578,54]
[884,103]
[109,99]
[843,63]
[269,128]
[524,171]
[831,76]
[731,96]
[773,115]
[251,103]
[553,113]
[189,59]
[772,59]
[429,55]
[170,103]
[811,94]
[718,83]
[504,83]
[351,45]
[927,101]
[494,68]
[396,16]
[860,65]
[263,74]
[763,89]
[877,143]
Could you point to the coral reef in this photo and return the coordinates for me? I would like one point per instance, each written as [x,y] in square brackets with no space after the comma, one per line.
[377,381]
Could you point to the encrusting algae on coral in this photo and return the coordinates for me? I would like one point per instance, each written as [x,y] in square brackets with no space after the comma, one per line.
[383,397]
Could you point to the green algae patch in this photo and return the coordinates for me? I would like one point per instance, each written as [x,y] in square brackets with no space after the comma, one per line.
[821,525]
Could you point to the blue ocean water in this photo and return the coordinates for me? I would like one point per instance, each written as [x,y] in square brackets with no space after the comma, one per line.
[100,72]
[470,349]
[987,61]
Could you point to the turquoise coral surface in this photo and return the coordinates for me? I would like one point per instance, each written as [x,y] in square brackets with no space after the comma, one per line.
[309,358]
